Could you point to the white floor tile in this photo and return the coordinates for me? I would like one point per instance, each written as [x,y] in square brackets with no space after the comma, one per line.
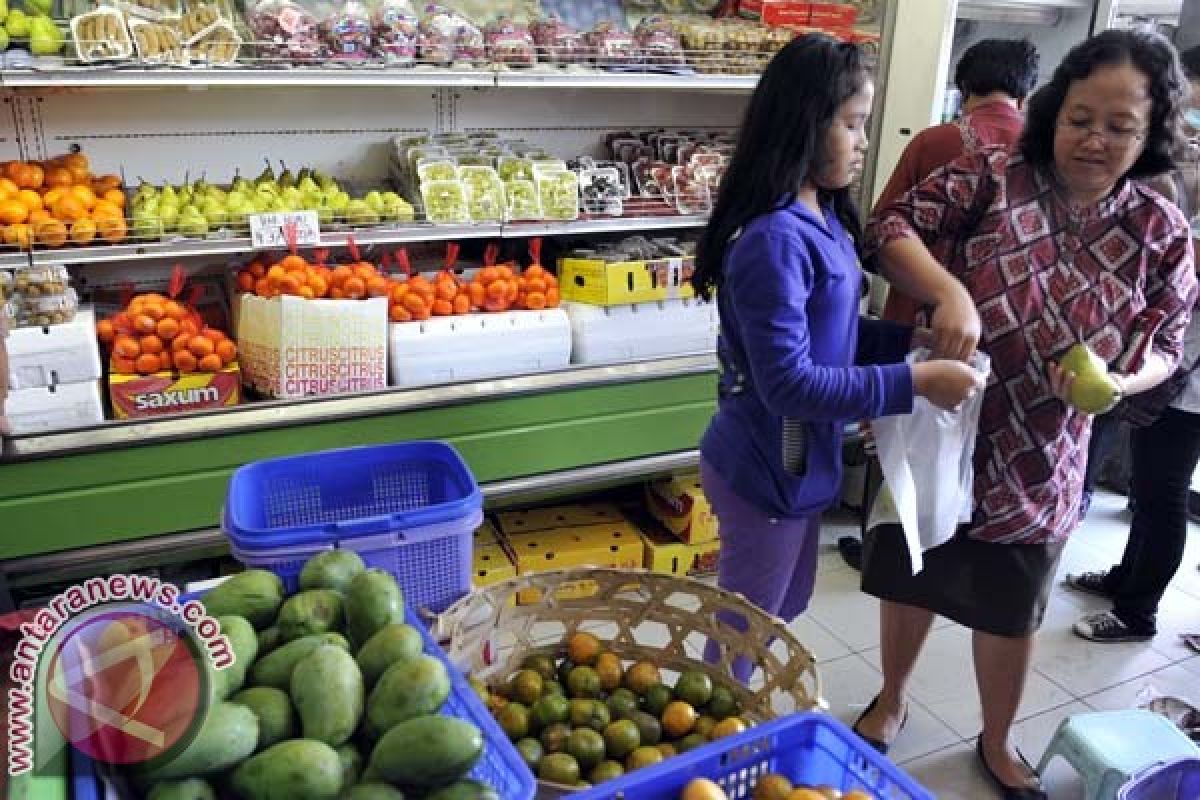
[1191,665]
[1034,734]
[1083,667]
[944,682]
[823,644]
[839,605]
[952,774]
[1172,681]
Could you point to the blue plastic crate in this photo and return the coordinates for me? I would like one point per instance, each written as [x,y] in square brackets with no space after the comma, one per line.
[809,749]
[409,508]
[501,765]
[1174,780]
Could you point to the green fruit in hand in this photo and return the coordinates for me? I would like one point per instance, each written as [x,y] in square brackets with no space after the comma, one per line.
[1093,390]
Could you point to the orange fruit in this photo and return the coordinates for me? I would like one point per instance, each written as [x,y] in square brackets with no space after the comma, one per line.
[772,787]
[175,310]
[30,176]
[477,293]
[552,297]
[442,308]
[201,346]
[167,329]
[678,719]
[144,323]
[184,361]
[583,648]
[151,344]
[83,231]
[107,182]
[111,229]
[804,793]
[728,727]
[210,363]
[292,263]
[50,233]
[189,326]
[262,288]
[103,208]
[257,269]
[341,274]
[703,789]
[85,195]
[319,286]
[30,199]
[245,281]
[165,361]
[290,284]
[355,288]
[59,176]
[399,314]
[365,271]
[307,292]
[154,310]
[69,208]
[122,366]
[535,301]
[53,196]
[41,215]
[378,286]
[227,351]
[181,342]
[13,212]
[105,331]
[114,197]
[76,161]
[147,364]
[8,187]
[462,304]
[19,235]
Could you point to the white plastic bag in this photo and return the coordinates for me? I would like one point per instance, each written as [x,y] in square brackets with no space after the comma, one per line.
[926,459]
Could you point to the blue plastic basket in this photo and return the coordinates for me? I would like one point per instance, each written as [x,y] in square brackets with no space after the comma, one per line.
[501,765]
[1174,780]
[809,749]
[409,508]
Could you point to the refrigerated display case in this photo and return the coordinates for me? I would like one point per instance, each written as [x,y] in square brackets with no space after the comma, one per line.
[109,488]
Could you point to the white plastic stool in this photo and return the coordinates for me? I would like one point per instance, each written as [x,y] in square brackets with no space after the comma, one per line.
[1107,747]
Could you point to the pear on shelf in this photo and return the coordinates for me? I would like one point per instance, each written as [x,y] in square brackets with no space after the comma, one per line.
[1094,391]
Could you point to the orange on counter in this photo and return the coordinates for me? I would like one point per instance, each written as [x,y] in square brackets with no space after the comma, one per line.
[61,201]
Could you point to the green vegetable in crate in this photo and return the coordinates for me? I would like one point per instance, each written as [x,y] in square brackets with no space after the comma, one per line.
[276,719]
[373,600]
[187,789]
[427,752]
[352,763]
[333,569]
[275,668]
[268,640]
[465,790]
[244,643]
[390,645]
[228,735]
[299,769]
[408,689]
[313,611]
[254,594]
[372,791]
[327,689]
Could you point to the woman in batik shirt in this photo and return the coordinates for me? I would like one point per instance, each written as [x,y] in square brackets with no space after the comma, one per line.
[1058,243]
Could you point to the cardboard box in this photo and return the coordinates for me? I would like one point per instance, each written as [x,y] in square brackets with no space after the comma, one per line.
[680,505]
[667,555]
[161,393]
[490,564]
[292,347]
[50,408]
[554,518]
[604,283]
[792,14]
[486,534]
[616,545]
[67,353]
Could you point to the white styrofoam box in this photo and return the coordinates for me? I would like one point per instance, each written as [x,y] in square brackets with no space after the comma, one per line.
[50,408]
[610,334]
[478,346]
[66,353]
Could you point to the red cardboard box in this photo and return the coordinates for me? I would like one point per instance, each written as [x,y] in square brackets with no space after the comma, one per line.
[791,14]
[162,393]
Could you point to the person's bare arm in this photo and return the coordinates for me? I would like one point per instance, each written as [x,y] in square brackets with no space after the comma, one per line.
[908,265]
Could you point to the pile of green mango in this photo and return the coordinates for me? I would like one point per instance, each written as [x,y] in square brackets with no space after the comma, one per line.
[331,697]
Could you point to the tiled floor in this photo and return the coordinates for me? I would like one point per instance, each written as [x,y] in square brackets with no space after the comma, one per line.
[1070,675]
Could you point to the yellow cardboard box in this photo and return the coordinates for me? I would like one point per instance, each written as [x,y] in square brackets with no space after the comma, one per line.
[616,545]
[491,564]
[680,505]
[486,534]
[553,518]
[612,283]
[667,555]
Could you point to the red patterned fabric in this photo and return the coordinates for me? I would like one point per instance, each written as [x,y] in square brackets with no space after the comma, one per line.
[1044,276]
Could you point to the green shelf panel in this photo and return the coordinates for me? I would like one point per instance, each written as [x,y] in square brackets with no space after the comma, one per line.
[55,504]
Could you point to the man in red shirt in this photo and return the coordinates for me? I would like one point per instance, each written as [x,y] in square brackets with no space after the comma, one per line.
[994,76]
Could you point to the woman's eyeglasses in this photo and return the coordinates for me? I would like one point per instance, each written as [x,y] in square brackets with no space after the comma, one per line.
[1109,134]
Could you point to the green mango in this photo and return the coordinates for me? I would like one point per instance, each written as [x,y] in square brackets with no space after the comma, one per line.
[187,789]
[465,790]
[254,594]
[408,689]
[373,600]
[313,611]
[391,644]
[244,643]
[228,735]
[273,707]
[327,689]
[275,668]
[268,640]
[332,569]
[298,769]
[352,763]
[427,752]
[372,791]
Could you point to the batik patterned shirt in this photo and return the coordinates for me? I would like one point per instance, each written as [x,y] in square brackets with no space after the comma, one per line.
[1044,276]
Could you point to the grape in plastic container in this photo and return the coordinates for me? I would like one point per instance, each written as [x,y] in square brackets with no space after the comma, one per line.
[445,202]
[347,31]
[284,30]
[601,192]
[524,203]
[559,194]
[394,24]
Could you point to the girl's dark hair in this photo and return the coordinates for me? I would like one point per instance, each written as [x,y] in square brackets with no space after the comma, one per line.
[1149,53]
[780,144]
[1191,62]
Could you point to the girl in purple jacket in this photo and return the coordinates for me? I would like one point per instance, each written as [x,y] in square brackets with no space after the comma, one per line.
[797,362]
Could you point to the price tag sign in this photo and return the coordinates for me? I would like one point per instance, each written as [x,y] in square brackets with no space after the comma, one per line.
[275,231]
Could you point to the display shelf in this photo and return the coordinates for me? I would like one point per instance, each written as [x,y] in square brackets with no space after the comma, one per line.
[285,413]
[13,259]
[596,79]
[518,230]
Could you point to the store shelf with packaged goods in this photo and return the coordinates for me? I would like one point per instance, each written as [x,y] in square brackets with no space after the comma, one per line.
[286,413]
[597,79]
[133,77]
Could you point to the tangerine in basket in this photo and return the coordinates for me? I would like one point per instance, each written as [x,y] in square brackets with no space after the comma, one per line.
[703,789]
[772,787]
[583,648]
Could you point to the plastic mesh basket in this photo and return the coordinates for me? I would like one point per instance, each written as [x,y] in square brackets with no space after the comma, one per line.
[810,749]
[1174,780]
[408,508]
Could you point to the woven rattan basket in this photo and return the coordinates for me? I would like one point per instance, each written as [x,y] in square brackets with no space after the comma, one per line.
[638,615]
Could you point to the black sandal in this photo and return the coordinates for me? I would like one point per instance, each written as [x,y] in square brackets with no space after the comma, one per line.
[881,747]
[1011,792]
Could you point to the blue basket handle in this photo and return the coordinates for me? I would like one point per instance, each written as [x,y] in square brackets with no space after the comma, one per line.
[384,523]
